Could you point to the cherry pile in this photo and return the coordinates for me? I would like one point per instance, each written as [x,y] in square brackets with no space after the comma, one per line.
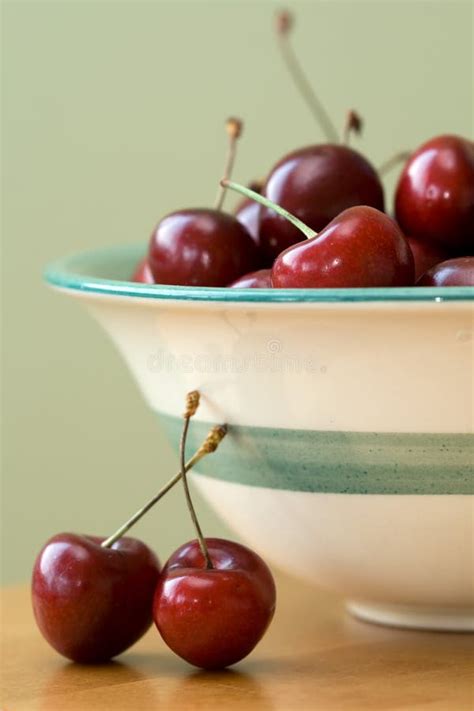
[212,602]
[338,195]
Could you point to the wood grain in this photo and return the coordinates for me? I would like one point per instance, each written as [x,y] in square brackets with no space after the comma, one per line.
[315,657]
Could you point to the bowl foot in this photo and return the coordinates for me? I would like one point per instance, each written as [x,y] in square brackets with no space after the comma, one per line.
[442,619]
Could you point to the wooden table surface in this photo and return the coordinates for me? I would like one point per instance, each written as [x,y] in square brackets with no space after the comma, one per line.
[314,657]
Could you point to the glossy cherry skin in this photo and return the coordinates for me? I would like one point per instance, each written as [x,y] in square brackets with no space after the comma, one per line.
[453,272]
[92,603]
[200,247]
[434,199]
[426,255]
[261,279]
[214,618]
[361,247]
[248,214]
[143,273]
[316,184]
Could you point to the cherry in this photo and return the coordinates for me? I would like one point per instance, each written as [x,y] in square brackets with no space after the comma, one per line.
[203,247]
[361,247]
[425,255]
[215,598]
[262,279]
[200,247]
[92,597]
[143,273]
[453,272]
[214,617]
[434,199]
[91,602]
[315,184]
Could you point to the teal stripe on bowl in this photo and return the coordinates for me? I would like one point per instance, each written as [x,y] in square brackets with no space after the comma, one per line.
[336,462]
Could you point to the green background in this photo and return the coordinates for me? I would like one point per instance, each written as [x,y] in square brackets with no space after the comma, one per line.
[112,115]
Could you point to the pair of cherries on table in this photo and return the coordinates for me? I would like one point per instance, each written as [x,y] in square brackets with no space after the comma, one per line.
[212,601]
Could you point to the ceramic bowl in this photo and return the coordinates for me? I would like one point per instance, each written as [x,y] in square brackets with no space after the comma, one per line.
[349,456]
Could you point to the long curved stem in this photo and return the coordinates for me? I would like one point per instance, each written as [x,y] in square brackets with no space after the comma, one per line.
[192,511]
[234,131]
[307,231]
[284,23]
[210,444]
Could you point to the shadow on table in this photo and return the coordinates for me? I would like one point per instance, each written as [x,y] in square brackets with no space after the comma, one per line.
[77,686]
[171,682]
[227,689]
[71,676]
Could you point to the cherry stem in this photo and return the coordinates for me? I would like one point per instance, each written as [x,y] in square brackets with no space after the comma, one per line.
[191,408]
[307,231]
[215,436]
[234,131]
[392,162]
[353,124]
[284,24]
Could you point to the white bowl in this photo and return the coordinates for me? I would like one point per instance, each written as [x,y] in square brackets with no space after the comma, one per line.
[349,456]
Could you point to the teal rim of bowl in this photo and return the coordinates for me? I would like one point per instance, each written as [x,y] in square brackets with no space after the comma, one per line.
[107,271]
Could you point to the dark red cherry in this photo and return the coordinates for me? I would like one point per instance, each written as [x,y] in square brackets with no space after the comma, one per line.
[201,247]
[143,273]
[262,279]
[453,272]
[435,195]
[204,247]
[426,255]
[214,617]
[90,602]
[316,184]
[361,247]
